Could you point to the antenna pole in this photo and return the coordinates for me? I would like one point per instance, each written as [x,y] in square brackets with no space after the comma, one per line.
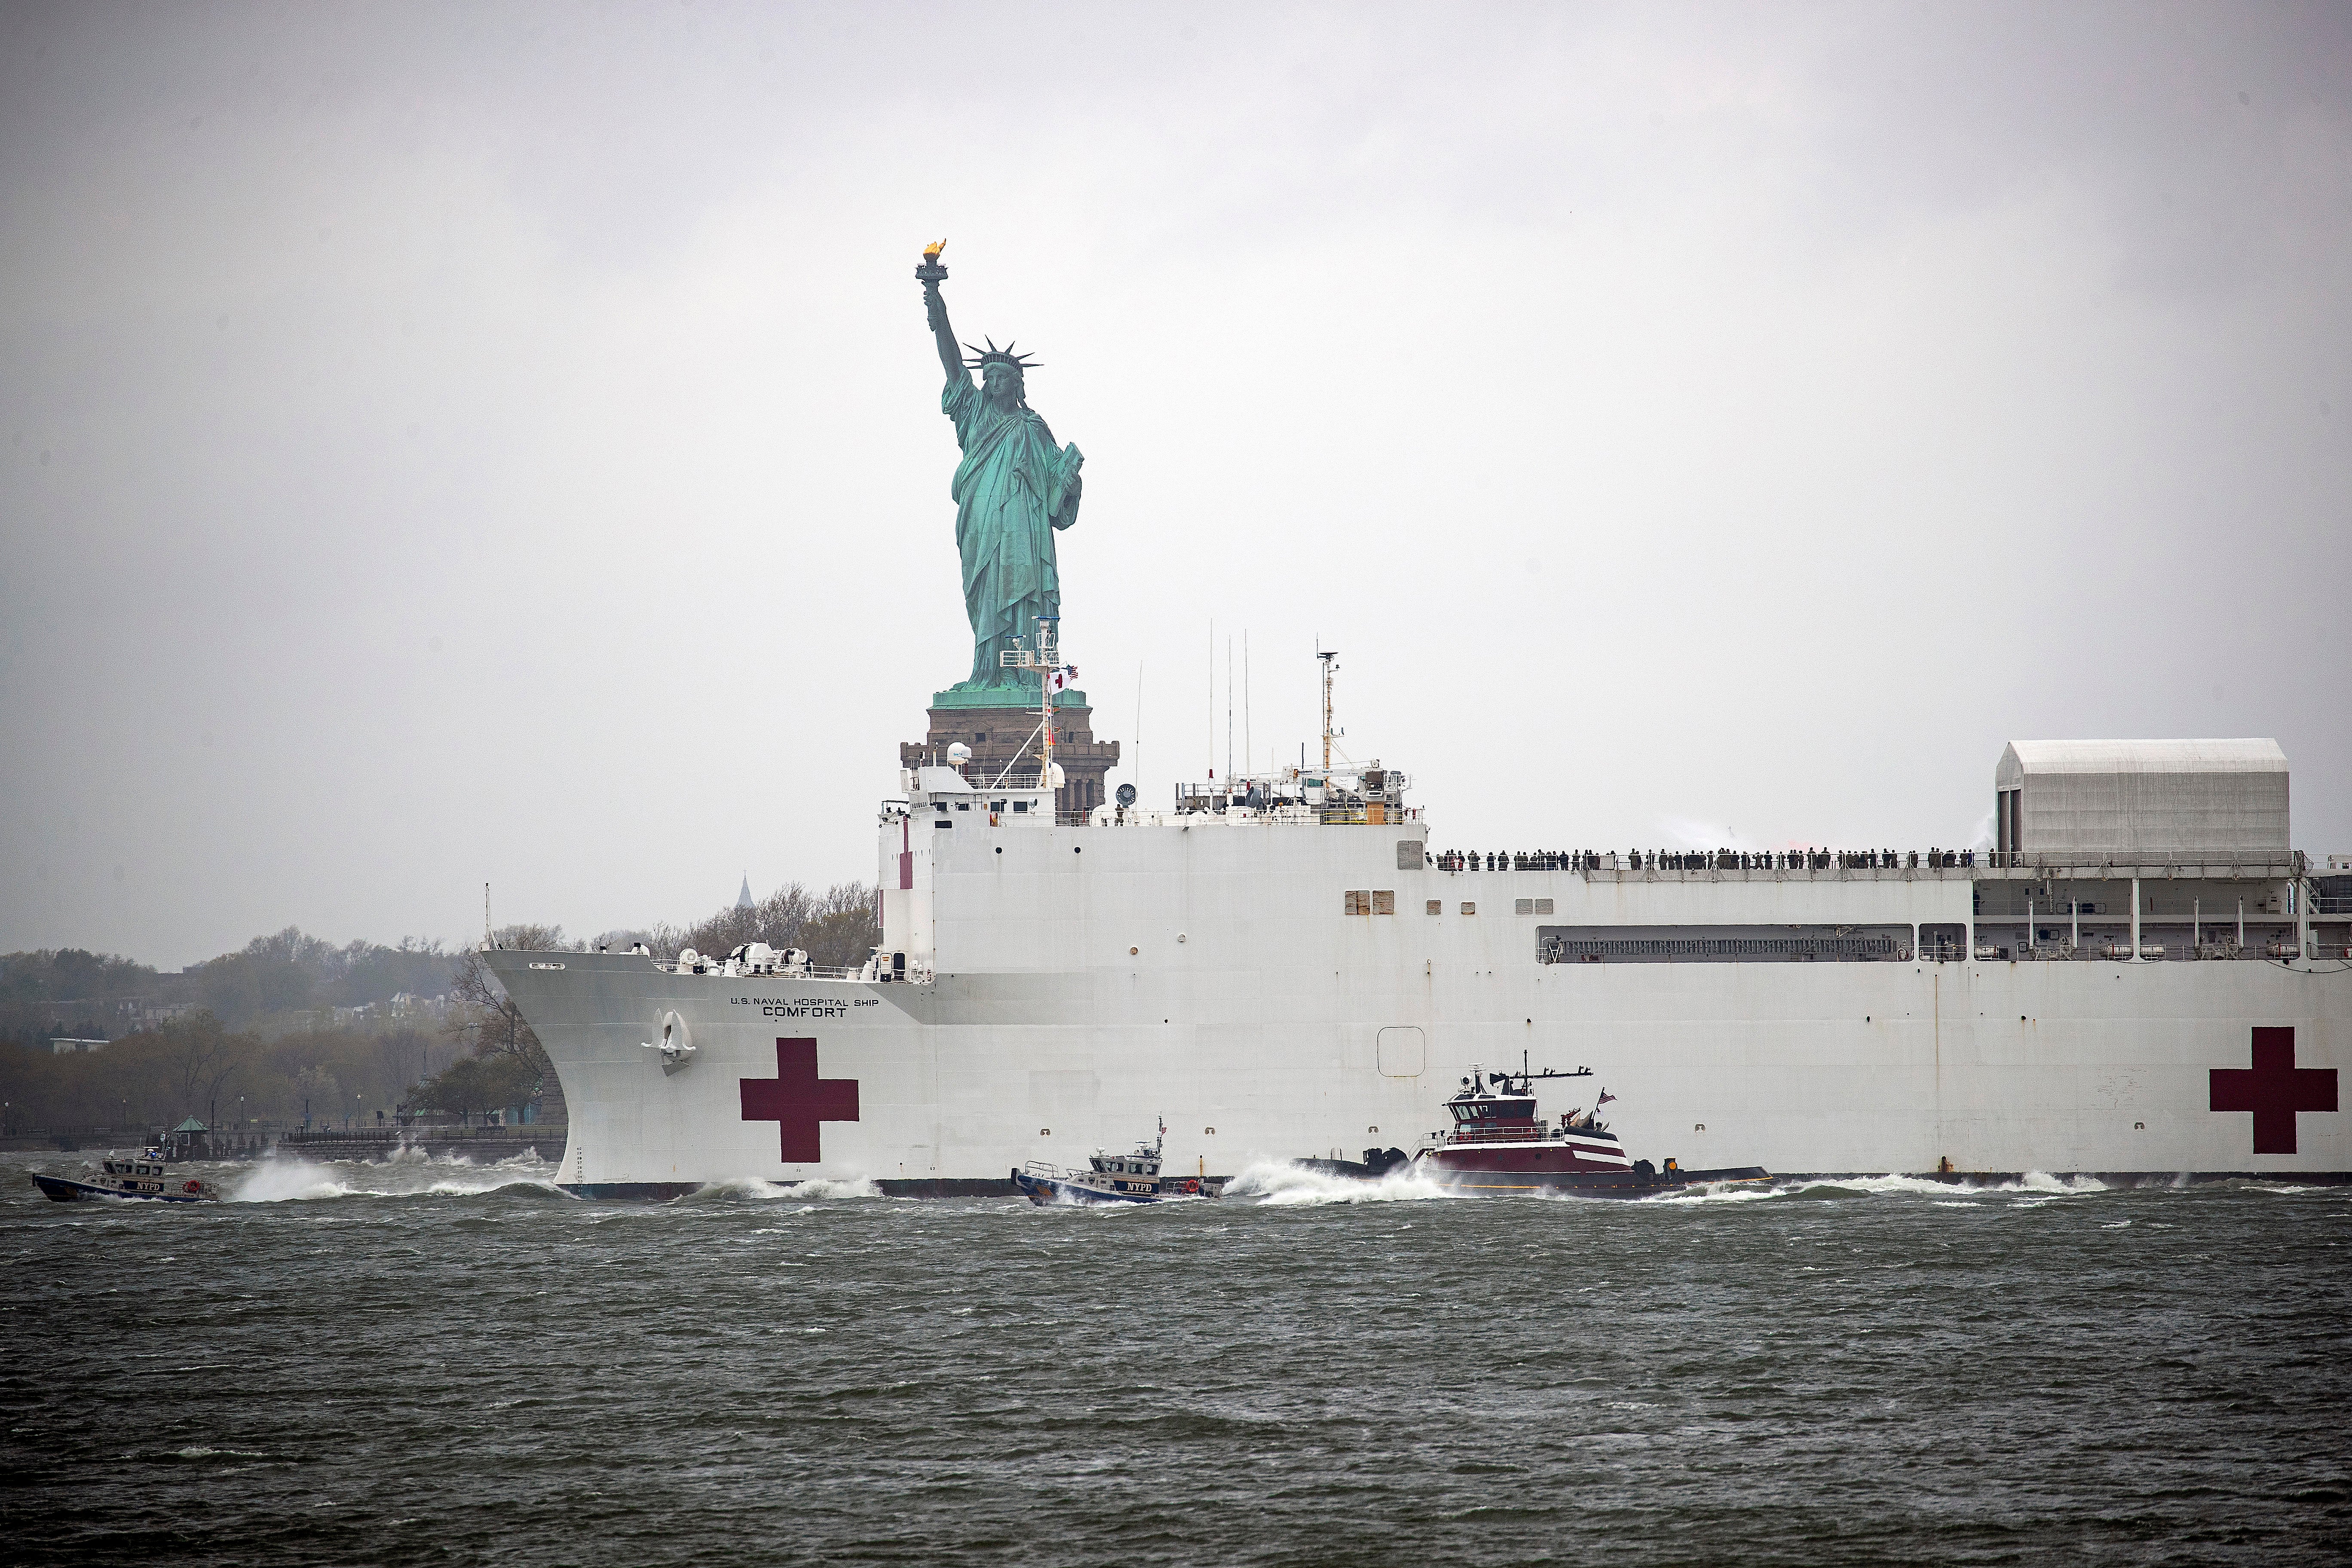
[1049,648]
[486,913]
[1330,658]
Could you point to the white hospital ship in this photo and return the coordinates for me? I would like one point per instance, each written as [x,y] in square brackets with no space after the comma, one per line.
[2141,978]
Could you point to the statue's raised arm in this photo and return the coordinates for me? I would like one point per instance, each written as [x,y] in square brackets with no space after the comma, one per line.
[932,275]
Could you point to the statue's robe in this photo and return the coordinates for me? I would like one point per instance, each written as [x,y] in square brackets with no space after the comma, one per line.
[1014,488]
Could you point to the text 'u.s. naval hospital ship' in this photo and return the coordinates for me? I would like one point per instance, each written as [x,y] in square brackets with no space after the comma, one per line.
[2140,977]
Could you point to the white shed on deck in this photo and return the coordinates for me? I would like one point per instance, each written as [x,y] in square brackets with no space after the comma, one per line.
[2113,799]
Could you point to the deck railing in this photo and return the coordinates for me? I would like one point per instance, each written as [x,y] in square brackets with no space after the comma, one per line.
[2079,866]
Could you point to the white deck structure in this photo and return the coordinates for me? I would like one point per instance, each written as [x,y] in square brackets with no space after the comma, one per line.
[2142,798]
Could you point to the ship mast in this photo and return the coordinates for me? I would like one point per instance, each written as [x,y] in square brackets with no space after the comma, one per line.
[1043,658]
[1330,658]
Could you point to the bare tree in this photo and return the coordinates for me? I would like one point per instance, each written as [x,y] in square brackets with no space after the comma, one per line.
[836,928]
[201,1054]
[775,920]
[487,1019]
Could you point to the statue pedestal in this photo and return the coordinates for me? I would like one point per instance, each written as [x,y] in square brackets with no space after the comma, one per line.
[1003,734]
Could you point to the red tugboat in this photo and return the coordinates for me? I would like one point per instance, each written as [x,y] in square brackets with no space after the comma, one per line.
[1498,1144]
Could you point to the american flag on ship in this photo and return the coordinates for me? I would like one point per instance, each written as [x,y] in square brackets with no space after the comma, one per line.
[1605,1097]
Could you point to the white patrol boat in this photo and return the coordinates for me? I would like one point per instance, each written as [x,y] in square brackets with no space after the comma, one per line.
[144,1177]
[1133,1178]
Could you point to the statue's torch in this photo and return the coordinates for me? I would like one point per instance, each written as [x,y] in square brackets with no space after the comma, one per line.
[929,271]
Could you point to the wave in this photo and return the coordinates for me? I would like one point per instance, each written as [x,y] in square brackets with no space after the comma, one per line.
[1712,1193]
[2031,1189]
[759,1191]
[1277,1183]
[2038,1184]
[297,1180]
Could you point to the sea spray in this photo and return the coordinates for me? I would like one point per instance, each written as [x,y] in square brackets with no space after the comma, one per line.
[758,1191]
[290,1178]
[287,1180]
[1273,1182]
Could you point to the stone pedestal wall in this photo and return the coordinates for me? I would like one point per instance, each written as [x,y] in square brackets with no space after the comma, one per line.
[1002,737]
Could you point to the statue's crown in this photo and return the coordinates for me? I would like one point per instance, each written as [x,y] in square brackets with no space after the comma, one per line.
[982,358]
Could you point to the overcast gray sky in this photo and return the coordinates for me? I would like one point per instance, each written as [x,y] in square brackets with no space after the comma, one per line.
[501,442]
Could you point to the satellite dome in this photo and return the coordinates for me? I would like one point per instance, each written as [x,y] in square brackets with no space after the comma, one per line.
[959,754]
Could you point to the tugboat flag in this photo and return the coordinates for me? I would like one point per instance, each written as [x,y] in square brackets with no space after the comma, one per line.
[1058,680]
[1605,1097]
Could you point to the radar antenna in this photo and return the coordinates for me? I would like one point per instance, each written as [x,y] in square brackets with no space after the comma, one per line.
[1528,1078]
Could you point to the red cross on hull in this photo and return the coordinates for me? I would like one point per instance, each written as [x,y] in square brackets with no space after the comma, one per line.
[796,1100]
[2275,1090]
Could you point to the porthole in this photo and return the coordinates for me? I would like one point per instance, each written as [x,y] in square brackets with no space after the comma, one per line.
[1373,1130]
[1045,1133]
[1210,1130]
[1699,1126]
[1133,950]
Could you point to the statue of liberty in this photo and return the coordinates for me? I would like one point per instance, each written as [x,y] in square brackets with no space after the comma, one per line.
[1013,489]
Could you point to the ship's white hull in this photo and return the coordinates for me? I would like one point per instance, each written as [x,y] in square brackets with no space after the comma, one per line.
[1084,983]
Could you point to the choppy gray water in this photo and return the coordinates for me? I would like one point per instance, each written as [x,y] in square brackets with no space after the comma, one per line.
[431,1363]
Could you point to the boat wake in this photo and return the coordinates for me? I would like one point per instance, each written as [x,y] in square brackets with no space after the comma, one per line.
[1276,1183]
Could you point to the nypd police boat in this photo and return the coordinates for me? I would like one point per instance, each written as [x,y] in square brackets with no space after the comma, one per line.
[140,1177]
[1133,1178]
